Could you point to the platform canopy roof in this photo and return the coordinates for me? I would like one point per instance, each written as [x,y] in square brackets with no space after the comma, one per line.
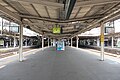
[74,16]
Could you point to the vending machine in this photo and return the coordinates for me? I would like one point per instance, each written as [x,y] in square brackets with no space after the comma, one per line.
[60,45]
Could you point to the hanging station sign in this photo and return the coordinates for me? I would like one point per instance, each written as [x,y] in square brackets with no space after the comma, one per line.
[109,27]
[56,29]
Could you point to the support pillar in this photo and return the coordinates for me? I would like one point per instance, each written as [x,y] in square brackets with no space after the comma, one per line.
[2,27]
[21,43]
[54,42]
[3,44]
[68,41]
[14,41]
[10,42]
[71,42]
[42,42]
[6,44]
[112,43]
[77,41]
[31,42]
[84,42]
[102,41]
[51,42]
[48,42]
[98,42]
[26,42]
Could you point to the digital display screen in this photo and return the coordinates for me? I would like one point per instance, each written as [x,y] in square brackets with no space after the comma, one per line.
[56,29]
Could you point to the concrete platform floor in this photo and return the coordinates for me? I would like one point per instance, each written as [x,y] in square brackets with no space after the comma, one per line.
[71,64]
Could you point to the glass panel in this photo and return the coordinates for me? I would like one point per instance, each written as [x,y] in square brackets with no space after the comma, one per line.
[14,27]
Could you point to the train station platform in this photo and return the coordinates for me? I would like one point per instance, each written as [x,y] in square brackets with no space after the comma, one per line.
[71,64]
[114,50]
[5,52]
[13,48]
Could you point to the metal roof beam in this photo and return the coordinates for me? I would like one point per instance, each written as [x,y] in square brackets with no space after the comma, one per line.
[47,11]
[10,14]
[95,2]
[42,2]
[51,24]
[58,21]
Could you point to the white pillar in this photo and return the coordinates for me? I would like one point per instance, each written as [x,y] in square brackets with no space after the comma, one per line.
[31,41]
[2,27]
[3,43]
[71,42]
[77,41]
[98,42]
[54,42]
[84,42]
[112,43]
[42,42]
[68,41]
[10,42]
[26,43]
[14,41]
[21,43]
[6,44]
[51,42]
[48,42]
[102,41]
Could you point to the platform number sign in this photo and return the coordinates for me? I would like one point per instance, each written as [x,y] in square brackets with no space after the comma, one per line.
[109,27]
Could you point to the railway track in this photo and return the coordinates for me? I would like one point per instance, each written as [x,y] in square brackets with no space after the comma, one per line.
[6,53]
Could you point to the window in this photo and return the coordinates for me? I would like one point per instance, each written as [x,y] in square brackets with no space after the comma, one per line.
[14,27]
[5,25]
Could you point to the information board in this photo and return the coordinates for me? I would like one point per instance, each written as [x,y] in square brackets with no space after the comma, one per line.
[56,29]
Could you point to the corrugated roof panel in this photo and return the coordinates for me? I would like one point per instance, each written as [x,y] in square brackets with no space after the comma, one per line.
[41,10]
[29,8]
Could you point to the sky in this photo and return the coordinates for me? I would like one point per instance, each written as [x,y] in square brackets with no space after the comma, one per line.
[95,31]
